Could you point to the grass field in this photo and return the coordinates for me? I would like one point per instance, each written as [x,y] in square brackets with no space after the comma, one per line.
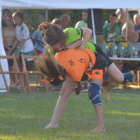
[24,116]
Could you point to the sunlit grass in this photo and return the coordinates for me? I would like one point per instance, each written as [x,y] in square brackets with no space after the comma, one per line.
[24,116]
[129,85]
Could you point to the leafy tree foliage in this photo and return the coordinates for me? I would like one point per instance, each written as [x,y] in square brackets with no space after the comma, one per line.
[33,17]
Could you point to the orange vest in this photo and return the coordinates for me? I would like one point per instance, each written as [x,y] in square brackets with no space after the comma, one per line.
[75,61]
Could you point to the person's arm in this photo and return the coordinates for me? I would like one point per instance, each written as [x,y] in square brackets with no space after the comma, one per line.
[13,47]
[102,37]
[33,41]
[5,45]
[75,44]
[77,25]
[86,36]
[20,47]
[33,37]
[122,17]
[62,102]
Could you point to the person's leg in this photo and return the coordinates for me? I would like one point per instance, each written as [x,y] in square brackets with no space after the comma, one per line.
[113,72]
[116,77]
[16,77]
[26,78]
[128,77]
[93,94]
[61,104]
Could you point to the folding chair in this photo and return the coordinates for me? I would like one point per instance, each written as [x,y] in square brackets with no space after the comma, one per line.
[15,70]
[26,72]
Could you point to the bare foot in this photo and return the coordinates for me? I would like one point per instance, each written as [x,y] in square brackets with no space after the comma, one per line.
[98,129]
[49,126]
[106,93]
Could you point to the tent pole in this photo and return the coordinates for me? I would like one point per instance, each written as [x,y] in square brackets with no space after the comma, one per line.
[93,25]
[46,15]
[126,24]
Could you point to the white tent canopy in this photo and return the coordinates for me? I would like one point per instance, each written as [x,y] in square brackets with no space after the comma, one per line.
[58,4]
[69,4]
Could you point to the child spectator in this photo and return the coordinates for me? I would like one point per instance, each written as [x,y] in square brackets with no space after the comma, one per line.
[38,42]
[23,39]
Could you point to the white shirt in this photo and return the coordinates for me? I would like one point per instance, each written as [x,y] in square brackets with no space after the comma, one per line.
[22,32]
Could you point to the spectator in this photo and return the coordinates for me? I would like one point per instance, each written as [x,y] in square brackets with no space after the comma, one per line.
[136,19]
[9,35]
[129,65]
[129,25]
[38,42]
[134,40]
[5,13]
[65,20]
[83,23]
[56,22]
[111,30]
[22,39]
[134,36]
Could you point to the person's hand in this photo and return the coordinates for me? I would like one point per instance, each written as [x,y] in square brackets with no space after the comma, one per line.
[9,52]
[89,67]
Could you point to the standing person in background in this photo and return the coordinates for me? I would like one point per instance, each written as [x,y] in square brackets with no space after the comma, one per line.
[111,30]
[38,42]
[5,13]
[129,25]
[83,23]
[23,40]
[136,19]
[65,20]
[9,35]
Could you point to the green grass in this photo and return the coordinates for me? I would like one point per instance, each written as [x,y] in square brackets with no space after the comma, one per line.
[23,117]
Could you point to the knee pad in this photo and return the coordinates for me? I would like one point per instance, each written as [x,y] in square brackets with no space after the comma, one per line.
[93,93]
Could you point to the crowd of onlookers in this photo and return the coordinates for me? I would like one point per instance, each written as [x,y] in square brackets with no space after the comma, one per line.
[17,39]
[122,28]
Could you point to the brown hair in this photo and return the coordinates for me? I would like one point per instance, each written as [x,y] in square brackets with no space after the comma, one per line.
[18,14]
[6,11]
[55,21]
[50,67]
[52,34]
